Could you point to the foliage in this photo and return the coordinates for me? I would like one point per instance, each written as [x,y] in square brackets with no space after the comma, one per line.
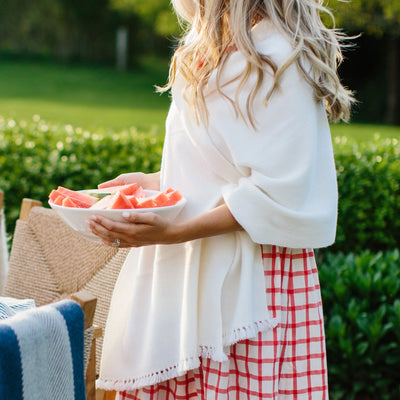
[361,297]
[360,293]
[73,30]
[375,17]
[369,194]
[36,157]
[22,28]
[381,19]
[157,13]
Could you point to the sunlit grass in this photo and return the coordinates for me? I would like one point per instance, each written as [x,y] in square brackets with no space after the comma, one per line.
[91,97]
[101,97]
[364,132]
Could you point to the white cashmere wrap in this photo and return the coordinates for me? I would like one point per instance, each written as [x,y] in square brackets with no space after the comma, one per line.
[174,303]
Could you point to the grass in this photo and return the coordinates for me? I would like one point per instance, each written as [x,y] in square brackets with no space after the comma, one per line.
[89,97]
[364,132]
[101,97]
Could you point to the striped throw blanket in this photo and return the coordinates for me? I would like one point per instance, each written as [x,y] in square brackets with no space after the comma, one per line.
[41,351]
[10,306]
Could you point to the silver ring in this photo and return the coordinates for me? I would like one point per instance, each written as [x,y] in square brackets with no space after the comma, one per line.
[116,242]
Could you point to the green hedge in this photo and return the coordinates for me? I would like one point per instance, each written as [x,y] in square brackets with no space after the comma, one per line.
[361,294]
[361,298]
[369,194]
[36,157]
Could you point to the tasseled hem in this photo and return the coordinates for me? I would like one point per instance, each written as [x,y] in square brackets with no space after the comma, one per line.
[181,368]
[171,372]
[249,331]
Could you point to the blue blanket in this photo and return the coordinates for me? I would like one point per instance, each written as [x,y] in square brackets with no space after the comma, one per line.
[10,306]
[41,354]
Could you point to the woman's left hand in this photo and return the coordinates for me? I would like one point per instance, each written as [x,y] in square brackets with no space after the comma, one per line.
[140,229]
[149,228]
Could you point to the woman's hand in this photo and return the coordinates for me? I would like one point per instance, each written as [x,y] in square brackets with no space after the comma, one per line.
[147,181]
[143,229]
[140,229]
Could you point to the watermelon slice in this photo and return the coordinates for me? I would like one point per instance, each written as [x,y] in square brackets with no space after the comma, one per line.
[140,193]
[59,200]
[133,200]
[129,197]
[128,189]
[173,197]
[146,203]
[68,202]
[103,203]
[81,199]
[119,201]
[54,194]
[160,199]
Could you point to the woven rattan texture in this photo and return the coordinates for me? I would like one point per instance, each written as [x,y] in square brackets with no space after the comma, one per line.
[50,261]
[29,276]
[72,258]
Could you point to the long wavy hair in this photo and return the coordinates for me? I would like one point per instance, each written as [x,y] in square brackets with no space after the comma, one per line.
[222,25]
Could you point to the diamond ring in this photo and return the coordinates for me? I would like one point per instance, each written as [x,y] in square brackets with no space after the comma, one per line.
[116,242]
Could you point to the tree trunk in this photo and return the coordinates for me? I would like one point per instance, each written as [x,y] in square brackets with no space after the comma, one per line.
[393,64]
[122,48]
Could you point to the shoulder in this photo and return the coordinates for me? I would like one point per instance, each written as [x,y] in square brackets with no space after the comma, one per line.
[272,42]
[268,41]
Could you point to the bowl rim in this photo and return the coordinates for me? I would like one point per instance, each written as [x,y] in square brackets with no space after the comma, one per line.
[148,209]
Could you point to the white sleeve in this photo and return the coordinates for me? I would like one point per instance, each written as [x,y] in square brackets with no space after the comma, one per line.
[287,193]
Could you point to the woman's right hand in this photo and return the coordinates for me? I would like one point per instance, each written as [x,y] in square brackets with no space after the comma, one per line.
[147,181]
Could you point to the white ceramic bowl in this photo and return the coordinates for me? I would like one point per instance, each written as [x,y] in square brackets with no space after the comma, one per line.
[76,217]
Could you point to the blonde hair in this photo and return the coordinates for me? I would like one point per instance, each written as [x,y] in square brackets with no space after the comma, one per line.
[224,24]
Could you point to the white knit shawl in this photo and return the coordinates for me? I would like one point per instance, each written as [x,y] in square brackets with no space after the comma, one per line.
[174,303]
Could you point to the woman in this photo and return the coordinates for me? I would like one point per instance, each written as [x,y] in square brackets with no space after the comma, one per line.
[224,302]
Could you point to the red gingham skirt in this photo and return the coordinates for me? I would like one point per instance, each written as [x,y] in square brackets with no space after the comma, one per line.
[288,362]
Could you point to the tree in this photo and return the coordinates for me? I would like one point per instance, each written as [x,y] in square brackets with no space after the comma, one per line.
[381,19]
[158,14]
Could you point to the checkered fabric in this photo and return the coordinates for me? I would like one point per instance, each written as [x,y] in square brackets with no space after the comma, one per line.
[288,362]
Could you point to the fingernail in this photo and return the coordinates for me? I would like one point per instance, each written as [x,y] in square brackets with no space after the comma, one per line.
[93,217]
[125,214]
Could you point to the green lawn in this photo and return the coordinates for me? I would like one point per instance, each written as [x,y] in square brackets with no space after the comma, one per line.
[101,97]
[363,132]
[89,97]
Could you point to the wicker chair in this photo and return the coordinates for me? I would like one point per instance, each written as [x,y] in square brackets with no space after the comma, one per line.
[49,262]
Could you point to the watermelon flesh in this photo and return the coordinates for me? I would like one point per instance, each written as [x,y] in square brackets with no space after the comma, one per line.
[160,199]
[119,201]
[140,193]
[133,200]
[59,200]
[146,203]
[81,199]
[68,202]
[129,189]
[123,197]
[54,194]
[173,197]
